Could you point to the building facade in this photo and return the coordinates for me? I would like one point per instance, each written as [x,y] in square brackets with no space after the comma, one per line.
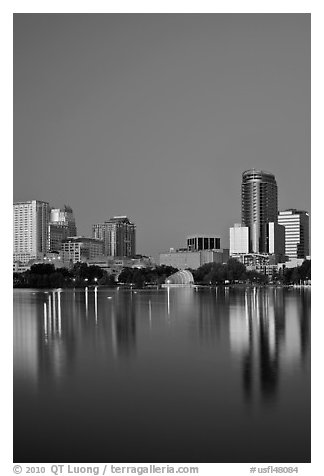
[64,217]
[81,248]
[99,232]
[276,241]
[296,224]
[193,259]
[239,239]
[118,235]
[56,234]
[202,242]
[30,230]
[259,200]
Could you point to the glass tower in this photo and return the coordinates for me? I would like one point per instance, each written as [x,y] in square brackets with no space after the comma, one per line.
[259,207]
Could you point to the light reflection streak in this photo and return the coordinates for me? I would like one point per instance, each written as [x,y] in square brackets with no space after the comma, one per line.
[86,300]
[45,322]
[50,314]
[96,303]
[168,294]
[113,331]
[59,312]
[150,312]
[54,312]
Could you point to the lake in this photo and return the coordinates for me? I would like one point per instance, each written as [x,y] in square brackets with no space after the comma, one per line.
[171,375]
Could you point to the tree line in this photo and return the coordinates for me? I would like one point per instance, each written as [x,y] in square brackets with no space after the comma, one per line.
[235,272]
[47,276]
[81,275]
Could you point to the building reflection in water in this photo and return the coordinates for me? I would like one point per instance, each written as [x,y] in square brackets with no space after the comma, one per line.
[88,322]
[266,332]
[123,324]
[54,346]
[261,330]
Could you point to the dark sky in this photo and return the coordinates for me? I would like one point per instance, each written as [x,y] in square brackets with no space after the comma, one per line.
[156,116]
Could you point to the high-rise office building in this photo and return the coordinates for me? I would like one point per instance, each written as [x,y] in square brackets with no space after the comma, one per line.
[56,234]
[121,237]
[118,235]
[296,223]
[61,226]
[259,207]
[30,230]
[64,216]
[99,233]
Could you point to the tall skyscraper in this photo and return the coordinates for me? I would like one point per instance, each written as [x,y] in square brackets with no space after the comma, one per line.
[64,216]
[296,223]
[30,230]
[259,207]
[118,235]
[61,226]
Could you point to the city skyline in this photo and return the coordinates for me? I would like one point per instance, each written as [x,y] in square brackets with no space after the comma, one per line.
[111,117]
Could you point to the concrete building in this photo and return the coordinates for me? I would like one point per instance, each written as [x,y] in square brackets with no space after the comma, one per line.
[64,216]
[115,265]
[262,263]
[296,223]
[81,248]
[56,234]
[118,235]
[193,259]
[239,239]
[30,230]
[292,263]
[275,242]
[202,242]
[99,233]
[259,197]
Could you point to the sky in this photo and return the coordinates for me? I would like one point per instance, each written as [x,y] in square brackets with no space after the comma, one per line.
[156,116]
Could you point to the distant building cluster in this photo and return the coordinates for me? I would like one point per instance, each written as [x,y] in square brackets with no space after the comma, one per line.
[42,234]
[265,240]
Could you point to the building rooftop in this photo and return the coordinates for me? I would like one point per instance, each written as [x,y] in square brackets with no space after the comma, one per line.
[119,219]
[81,239]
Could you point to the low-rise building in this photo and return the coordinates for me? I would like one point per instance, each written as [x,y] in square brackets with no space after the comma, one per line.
[114,265]
[202,242]
[81,248]
[193,259]
[260,262]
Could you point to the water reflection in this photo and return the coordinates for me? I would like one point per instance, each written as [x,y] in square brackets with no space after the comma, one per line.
[266,338]
[124,324]
[221,362]
[267,329]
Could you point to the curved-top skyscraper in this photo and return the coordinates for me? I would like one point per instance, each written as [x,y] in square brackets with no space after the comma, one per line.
[259,206]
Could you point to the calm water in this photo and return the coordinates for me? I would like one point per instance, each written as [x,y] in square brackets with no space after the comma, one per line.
[174,375]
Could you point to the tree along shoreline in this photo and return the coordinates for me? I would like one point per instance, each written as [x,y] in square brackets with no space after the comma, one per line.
[233,273]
